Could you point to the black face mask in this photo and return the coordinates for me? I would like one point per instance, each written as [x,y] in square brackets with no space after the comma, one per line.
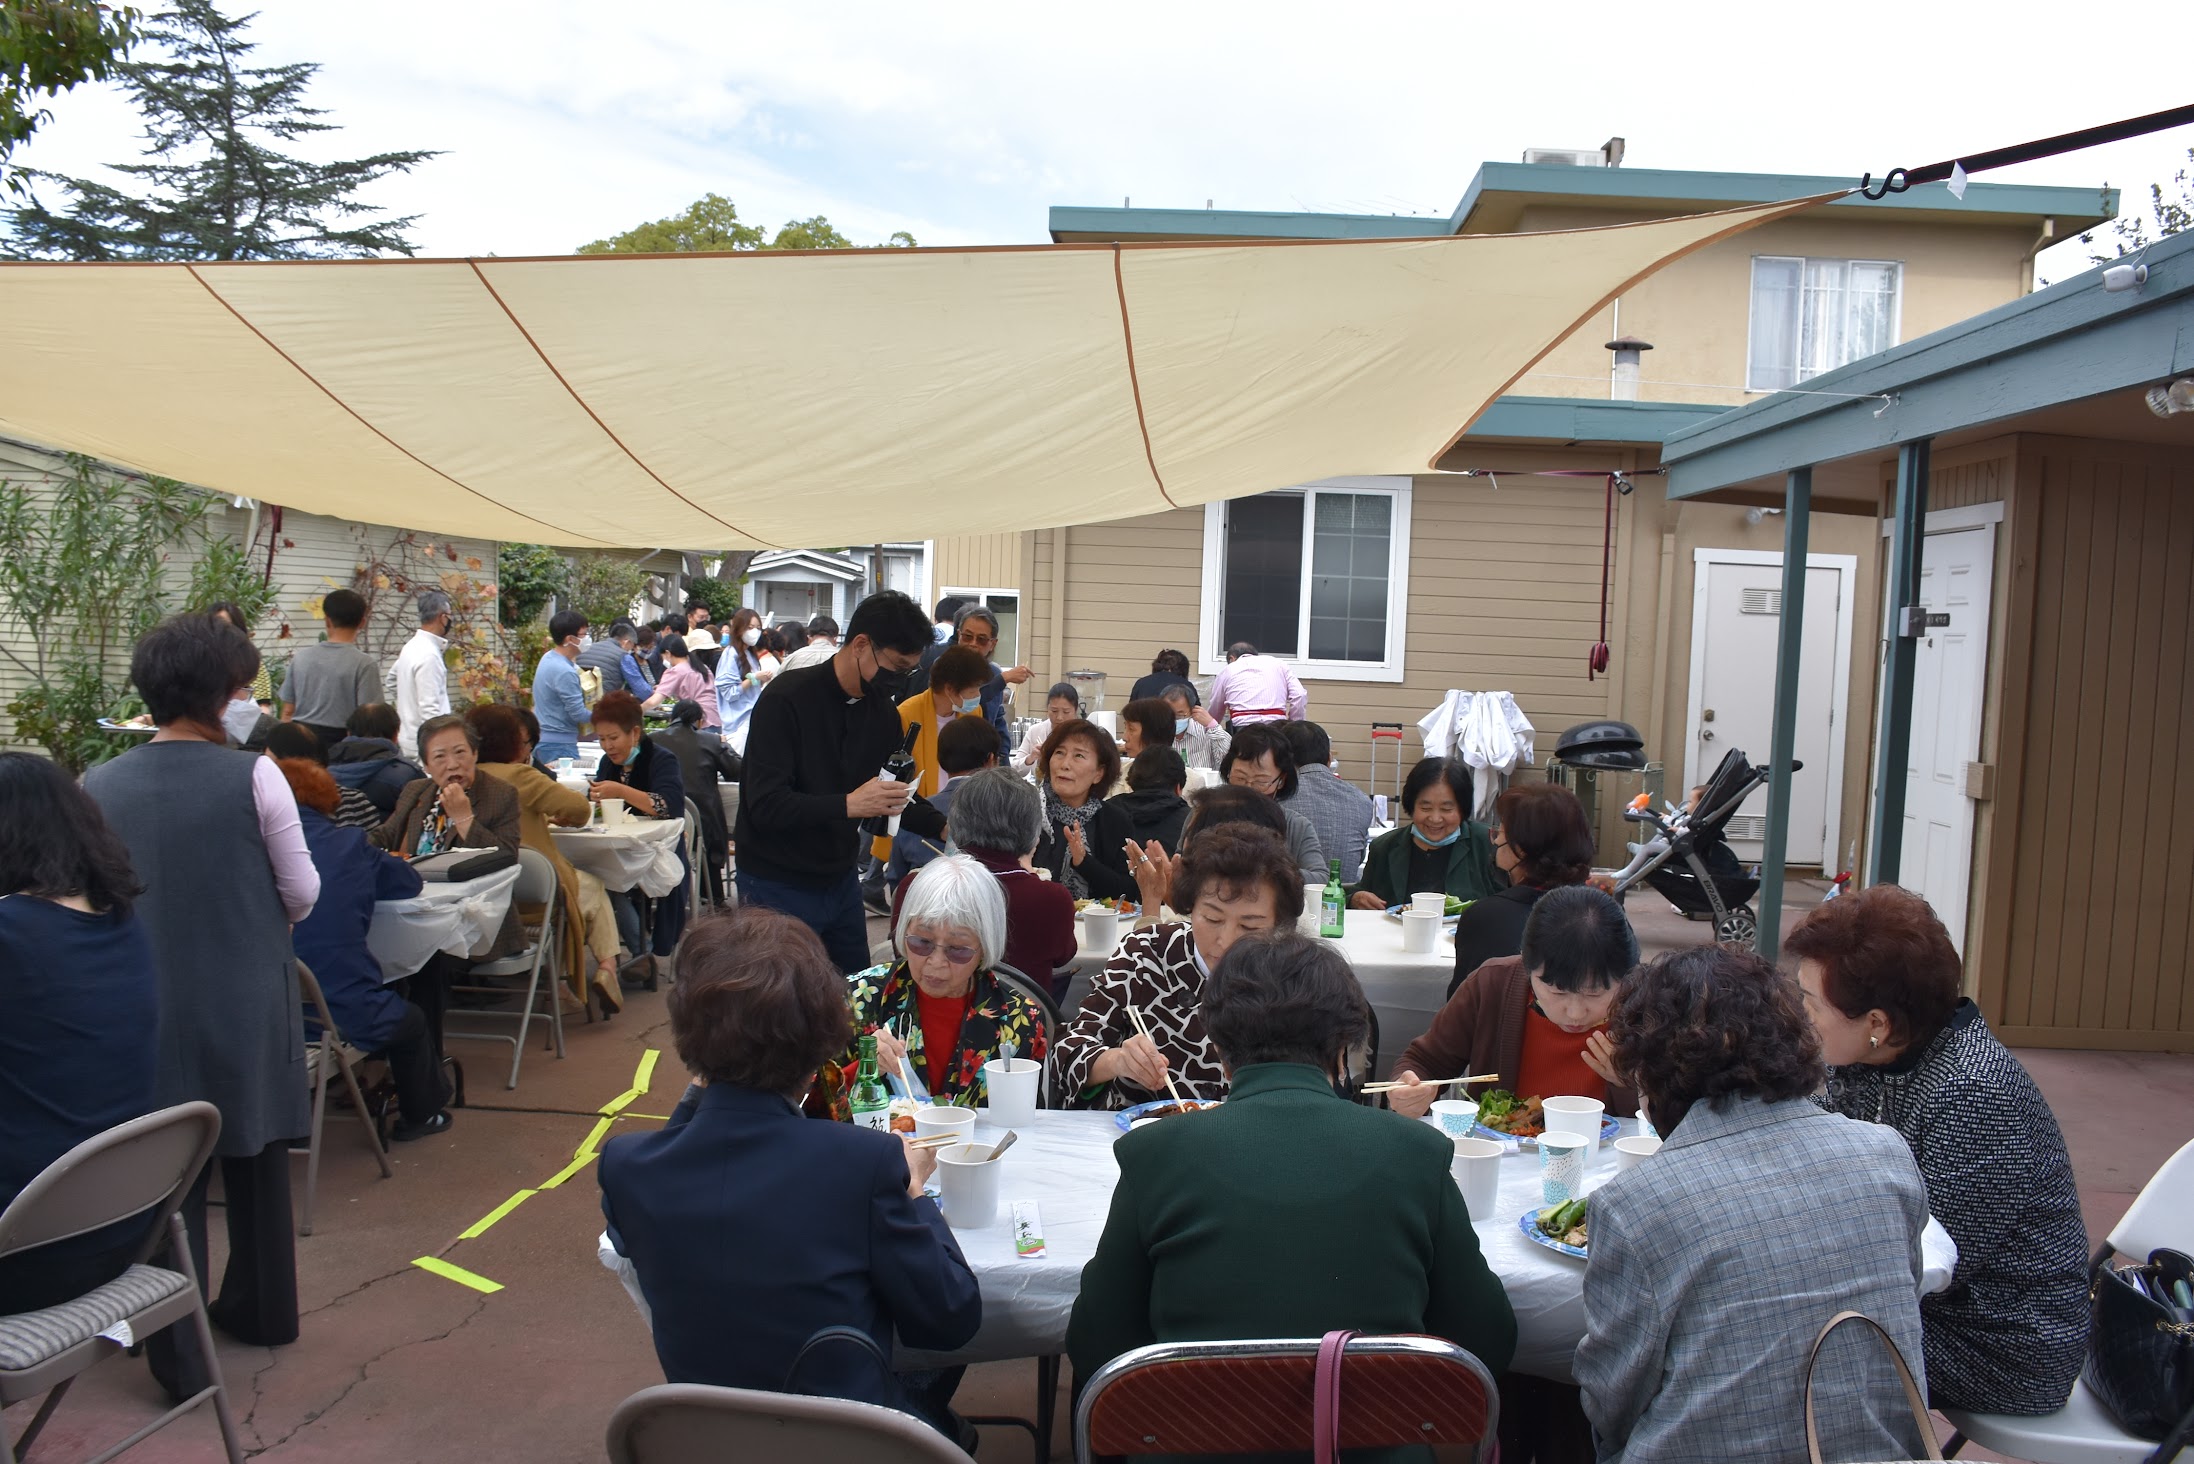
[885,683]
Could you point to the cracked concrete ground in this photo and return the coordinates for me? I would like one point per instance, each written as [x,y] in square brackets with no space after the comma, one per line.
[395,1364]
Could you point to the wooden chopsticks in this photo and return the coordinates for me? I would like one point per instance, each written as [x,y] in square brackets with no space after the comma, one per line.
[1135,1015]
[937,1141]
[1434,1082]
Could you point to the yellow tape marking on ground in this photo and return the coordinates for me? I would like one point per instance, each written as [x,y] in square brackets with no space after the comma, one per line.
[594,1137]
[480,1226]
[458,1274]
[620,1103]
[570,1169]
[658,1117]
[646,1072]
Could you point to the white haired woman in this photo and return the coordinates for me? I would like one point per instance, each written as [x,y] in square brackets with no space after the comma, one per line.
[939,1006]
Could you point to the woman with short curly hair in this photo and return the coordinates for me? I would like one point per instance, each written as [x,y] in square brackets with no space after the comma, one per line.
[1716,1262]
[1907,1048]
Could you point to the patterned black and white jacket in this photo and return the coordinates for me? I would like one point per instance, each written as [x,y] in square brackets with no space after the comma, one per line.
[2010,1333]
[1156,971]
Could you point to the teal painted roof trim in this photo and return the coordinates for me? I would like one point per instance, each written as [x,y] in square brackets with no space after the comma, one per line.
[1588,419]
[2069,342]
[2077,208]
[1198,223]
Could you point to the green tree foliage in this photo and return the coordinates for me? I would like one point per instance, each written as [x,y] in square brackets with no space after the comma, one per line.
[720,595]
[2132,232]
[213,184]
[603,588]
[712,224]
[528,577]
[46,47]
[88,572]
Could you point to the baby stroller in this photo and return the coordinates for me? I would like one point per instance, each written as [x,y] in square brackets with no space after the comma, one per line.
[1689,862]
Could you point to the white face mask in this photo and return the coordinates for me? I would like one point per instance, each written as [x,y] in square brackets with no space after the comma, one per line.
[753,636]
[585,641]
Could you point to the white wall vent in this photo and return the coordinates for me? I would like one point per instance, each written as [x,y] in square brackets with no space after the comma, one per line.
[1760,602]
[1567,157]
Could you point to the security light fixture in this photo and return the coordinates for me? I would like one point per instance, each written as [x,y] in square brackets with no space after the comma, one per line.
[2170,401]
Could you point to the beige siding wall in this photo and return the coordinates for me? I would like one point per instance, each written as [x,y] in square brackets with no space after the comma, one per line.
[978,562]
[2086,922]
[1696,311]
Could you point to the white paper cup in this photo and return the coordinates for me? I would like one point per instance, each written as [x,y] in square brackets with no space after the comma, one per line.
[943,1119]
[1477,1171]
[1312,920]
[1420,933]
[1632,1148]
[1434,903]
[1455,1117]
[1577,1116]
[614,812]
[967,1185]
[1103,927]
[1012,1085]
[1561,1166]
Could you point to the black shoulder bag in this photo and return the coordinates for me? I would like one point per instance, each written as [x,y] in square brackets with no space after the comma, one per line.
[2140,1346]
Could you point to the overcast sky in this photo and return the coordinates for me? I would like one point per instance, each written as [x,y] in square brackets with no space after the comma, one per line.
[964,122]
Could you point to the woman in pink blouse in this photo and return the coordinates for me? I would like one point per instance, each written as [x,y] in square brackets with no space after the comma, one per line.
[684,679]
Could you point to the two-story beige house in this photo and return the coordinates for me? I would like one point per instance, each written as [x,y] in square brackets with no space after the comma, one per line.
[1387,592]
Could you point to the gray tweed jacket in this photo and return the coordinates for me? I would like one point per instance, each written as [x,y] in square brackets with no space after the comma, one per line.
[1715,1264]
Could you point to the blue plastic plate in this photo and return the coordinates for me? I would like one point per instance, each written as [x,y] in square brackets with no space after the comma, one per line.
[1126,1117]
[1528,1222]
[1610,1130]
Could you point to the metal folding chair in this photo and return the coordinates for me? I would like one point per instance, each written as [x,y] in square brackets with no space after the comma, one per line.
[691,1423]
[1256,1397]
[536,886]
[145,1165]
[331,1054]
[1048,1018]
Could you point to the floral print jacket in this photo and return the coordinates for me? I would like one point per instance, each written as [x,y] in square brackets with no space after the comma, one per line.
[884,996]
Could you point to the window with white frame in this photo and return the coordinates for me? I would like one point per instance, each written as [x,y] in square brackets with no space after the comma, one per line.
[1316,575]
[1813,315]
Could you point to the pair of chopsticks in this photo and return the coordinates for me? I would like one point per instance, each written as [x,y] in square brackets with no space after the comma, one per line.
[943,1141]
[1435,1082]
[1135,1015]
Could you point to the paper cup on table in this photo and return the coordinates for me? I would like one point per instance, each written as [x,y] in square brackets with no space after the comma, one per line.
[1561,1166]
[967,1185]
[1420,933]
[1477,1171]
[943,1119]
[1434,903]
[1577,1116]
[1103,927]
[1455,1117]
[1012,1084]
[614,812]
[1312,920]
[1632,1148]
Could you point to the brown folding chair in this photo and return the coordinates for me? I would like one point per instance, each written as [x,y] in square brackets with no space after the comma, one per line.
[1255,1397]
[147,1164]
[330,1054]
[691,1423]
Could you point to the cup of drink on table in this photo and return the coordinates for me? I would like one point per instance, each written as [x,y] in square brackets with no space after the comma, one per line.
[1456,1117]
[1561,1166]
[1577,1116]
[1631,1149]
[1432,903]
[1477,1169]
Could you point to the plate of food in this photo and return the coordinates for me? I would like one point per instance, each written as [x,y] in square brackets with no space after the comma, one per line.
[1142,1113]
[1502,1115]
[1558,1228]
[1448,916]
[140,725]
[1122,908]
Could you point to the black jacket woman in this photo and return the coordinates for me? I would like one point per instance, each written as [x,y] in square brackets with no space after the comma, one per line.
[1541,842]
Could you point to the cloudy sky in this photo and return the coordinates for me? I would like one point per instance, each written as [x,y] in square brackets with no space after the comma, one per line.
[964,122]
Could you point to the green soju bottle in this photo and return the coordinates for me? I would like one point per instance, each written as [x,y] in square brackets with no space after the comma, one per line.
[871,1099]
[1332,903]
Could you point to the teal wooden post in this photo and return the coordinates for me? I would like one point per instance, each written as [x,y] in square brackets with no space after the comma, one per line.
[1789,644]
[1895,739]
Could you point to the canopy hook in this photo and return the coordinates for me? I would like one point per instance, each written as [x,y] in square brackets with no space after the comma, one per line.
[1897,181]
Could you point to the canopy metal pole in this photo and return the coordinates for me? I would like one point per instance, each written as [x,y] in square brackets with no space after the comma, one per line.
[1789,645]
[1902,636]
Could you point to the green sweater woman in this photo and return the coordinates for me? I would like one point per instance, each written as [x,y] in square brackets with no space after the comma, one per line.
[1435,848]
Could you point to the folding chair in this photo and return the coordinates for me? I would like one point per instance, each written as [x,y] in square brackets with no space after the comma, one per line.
[147,1164]
[696,862]
[1047,1016]
[1256,1397]
[536,885]
[691,1423]
[2084,1431]
[331,1054]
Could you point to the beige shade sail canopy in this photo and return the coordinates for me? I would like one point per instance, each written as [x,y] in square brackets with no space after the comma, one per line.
[767,400]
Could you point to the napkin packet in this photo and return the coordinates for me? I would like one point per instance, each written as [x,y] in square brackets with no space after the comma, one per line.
[1028,1230]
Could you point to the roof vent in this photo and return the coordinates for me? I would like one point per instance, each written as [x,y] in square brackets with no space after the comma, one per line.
[1608,155]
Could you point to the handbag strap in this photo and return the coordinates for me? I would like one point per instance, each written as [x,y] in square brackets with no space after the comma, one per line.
[1325,1398]
[1904,1375]
[840,1333]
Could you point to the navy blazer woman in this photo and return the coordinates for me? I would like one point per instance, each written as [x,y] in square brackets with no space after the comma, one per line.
[332,939]
[656,769]
[752,1228]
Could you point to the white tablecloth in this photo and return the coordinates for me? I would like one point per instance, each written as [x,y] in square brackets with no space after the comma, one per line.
[642,853]
[1406,990]
[459,918]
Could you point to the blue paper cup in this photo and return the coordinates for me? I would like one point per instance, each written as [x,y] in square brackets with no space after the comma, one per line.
[1561,1166]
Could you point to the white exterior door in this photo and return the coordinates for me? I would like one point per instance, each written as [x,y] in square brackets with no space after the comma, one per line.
[1948,682]
[1736,624]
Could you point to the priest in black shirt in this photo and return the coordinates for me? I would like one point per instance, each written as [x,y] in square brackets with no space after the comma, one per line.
[816,745]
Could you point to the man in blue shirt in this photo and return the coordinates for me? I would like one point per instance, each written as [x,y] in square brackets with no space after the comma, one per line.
[557,701]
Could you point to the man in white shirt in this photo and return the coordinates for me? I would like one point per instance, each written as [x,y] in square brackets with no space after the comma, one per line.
[421,677]
[822,644]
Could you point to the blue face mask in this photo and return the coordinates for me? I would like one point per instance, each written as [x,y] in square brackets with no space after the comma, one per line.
[971,705]
[1452,835]
[1180,726]
[627,760]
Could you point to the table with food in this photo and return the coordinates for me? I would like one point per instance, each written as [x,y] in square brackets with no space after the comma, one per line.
[1406,988]
[459,917]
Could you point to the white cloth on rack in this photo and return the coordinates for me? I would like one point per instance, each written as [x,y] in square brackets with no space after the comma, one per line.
[1488,732]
